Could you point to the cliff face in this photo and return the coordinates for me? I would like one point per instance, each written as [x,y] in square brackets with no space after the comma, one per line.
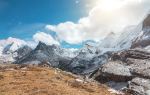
[143,40]
[146,22]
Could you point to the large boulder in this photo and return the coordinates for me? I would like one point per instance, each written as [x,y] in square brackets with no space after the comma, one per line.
[129,66]
[139,86]
[114,71]
[139,68]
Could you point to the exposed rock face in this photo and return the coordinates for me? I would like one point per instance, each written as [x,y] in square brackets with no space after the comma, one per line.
[88,60]
[23,51]
[13,52]
[141,68]
[135,54]
[44,53]
[143,40]
[130,66]
[138,86]
[146,22]
[82,61]
[114,71]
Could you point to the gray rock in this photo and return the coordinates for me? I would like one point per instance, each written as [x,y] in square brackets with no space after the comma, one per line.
[144,39]
[147,92]
[23,51]
[114,71]
[139,67]
[85,64]
[139,85]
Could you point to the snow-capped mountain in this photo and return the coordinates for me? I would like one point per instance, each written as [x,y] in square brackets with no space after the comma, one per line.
[137,36]
[12,43]
[8,48]
[108,41]
[53,54]
[23,51]
[129,34]
[83,60]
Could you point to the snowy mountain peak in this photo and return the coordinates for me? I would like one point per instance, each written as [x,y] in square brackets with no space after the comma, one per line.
[8,48]
[42,46]
[14,42]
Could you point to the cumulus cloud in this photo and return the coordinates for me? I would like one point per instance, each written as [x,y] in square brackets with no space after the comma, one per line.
[105,17]
[45,38]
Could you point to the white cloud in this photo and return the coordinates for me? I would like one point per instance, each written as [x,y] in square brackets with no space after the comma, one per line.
[11,40]
[106,16]
[45,38]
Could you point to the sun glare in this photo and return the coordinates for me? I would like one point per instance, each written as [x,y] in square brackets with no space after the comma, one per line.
[109,5]
[112,5]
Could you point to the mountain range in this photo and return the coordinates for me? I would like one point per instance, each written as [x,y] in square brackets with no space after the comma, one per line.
[116,58]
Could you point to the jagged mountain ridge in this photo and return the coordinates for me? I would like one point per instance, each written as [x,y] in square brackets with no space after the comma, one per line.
[46,53]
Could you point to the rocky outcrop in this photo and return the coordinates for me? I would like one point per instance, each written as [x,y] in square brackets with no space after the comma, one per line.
[139,86]
[130,66]
[132,53]
[146,22]
[113,71]
[143,40]
[23,51]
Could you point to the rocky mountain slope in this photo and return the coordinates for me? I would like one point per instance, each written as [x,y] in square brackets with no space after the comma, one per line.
[54,55]
[129,66]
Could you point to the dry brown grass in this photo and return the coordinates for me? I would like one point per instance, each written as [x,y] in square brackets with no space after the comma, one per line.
[45,81]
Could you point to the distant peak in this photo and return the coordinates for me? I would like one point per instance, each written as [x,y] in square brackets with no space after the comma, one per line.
[42,45]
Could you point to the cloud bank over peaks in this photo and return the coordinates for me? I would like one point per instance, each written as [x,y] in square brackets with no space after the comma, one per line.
[105,17]
[45,38]
[16,43]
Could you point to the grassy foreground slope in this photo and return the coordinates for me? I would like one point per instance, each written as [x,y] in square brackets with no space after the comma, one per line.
[33,80]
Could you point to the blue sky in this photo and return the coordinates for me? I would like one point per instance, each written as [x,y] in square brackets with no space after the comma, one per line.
[71,23]
[18,17]
[23,18]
